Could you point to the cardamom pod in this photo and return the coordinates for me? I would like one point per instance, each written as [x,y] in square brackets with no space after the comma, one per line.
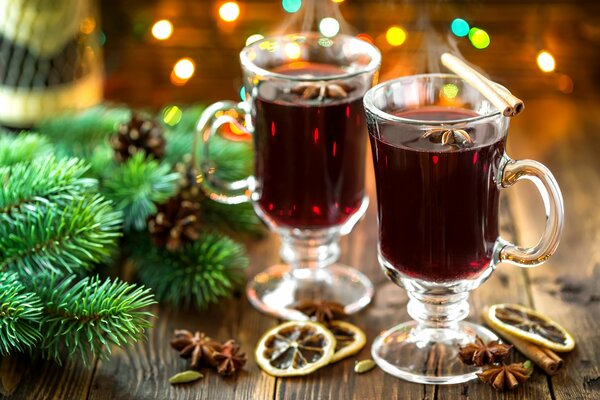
[364,366]
[185,377]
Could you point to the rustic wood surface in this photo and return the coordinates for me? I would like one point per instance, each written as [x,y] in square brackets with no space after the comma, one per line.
[560,129]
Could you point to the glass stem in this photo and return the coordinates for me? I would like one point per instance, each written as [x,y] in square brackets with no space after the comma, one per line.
[317,249]
[438,311]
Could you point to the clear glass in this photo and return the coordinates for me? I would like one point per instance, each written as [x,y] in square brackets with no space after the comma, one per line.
[438,151]
[305,112]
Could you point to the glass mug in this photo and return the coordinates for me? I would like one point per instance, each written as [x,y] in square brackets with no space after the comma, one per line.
[304,110]
[439,155]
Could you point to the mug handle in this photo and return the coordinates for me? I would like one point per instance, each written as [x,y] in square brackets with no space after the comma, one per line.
[512,171]
[209,124]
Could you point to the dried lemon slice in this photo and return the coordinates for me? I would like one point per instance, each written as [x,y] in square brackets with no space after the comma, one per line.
[295,348]
[530,325]
[349,339]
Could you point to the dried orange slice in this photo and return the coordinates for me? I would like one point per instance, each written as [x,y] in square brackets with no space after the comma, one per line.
[349,339]
[295,348]
[530,325]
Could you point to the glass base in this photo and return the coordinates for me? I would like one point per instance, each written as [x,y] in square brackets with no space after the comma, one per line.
[278,289]
[428,355]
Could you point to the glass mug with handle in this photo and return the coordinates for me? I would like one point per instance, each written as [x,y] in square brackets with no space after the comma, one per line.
[304,110]
[439,154]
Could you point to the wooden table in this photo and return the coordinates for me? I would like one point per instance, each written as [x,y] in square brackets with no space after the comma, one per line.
[559,131]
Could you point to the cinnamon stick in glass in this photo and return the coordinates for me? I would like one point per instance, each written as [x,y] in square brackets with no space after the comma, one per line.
[501,98]
[544,358]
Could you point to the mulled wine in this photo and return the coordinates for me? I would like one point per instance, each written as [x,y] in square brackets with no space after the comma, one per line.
[310,148]
[437,203]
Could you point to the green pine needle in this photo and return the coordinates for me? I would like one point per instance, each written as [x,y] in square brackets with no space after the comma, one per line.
[42,181]
[23,147]
[85,317]
[137,185]
[20,313]
[202,272]
[54,238]
[235,219]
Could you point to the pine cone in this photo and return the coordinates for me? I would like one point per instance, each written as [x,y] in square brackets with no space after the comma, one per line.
[189,189]
[176,223]
[140,133]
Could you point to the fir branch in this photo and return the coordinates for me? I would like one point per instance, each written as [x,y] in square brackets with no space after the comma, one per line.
[234,219]
[42,181]
[137,185]
[78,134]
[85,317]
[52,238]
[22,147]
[202,272]
[20,313]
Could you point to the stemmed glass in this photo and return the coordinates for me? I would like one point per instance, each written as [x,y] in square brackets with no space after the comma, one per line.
[440,164]
[304,110]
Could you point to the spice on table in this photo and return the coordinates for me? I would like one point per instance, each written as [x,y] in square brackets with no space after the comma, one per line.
[502,377]
[480,353]
[185,377]
[321,311]
[198,347]
[228,359]
[363,366]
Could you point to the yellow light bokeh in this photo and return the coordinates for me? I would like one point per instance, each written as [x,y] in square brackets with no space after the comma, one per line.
[395,36]
[337,1]
[254,38]
[162,29]
[172,115]
[87,25]
[229,11]
[293,51]
[546,61]
[184,68]
[329,27]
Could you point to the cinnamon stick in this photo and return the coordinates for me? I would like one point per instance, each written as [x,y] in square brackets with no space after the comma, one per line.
[543,357]
[501,98]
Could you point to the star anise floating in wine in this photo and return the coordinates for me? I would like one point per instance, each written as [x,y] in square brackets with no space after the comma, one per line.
[323,90]
[449,137]
[321,311]
[199,347]
[502,377]
[480,353]
[229,360]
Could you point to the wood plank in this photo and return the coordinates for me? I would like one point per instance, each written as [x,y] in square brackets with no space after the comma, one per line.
[567,287]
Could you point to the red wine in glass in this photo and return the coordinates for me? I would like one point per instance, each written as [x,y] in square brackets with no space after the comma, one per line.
[437,204]
[310,153]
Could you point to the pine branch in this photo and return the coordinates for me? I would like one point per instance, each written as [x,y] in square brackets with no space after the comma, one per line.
[20,314]
[200,273]
[22,147]
[137,185]
[78,134]
[42,181]
[234,219]
[53,238]
[85,317]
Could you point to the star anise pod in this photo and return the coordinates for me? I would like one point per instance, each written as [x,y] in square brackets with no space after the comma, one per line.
[449,137]
[229,360]
[479,353]
[321,311]
[198,347]
[322,90]
[502,377]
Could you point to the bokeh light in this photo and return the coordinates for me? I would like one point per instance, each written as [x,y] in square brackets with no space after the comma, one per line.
[162,29]
[337,1]
[293,50]
[395,36]
[184,68]
[254,38]
[291,6]
[172,115]
[450,91]
[565,83]
[87,25]
[460,27]
[366,37]
[329,27]
[243,93]
[479,38]
[229,11]
[546,61]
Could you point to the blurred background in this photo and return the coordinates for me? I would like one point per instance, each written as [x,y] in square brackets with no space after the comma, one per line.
[536,48]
